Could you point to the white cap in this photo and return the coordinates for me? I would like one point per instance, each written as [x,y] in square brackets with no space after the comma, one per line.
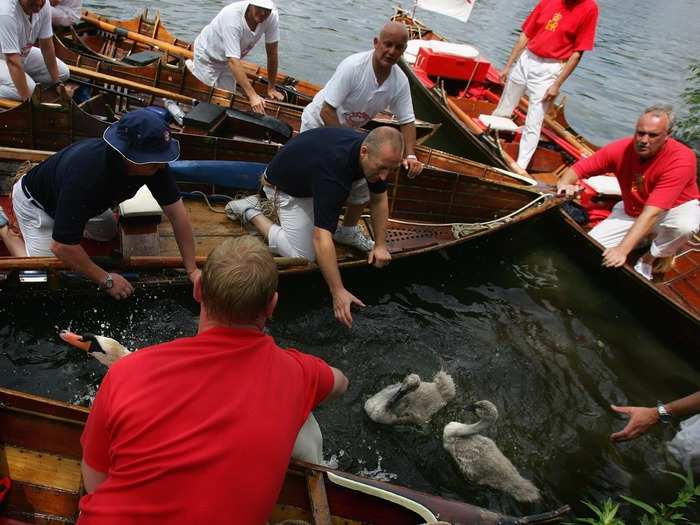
[265,4]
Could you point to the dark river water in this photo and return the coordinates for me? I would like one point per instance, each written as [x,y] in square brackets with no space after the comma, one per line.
[514,318]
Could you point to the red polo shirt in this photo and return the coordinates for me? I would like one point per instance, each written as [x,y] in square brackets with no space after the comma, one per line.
[667,180]
[557,28]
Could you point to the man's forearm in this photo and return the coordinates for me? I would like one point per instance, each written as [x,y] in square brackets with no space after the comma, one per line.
[49,54]
[326,259]
[641,227]
[241,78]
[14,66]
[91,478]
[182,228]
[329,116]
[408,131]
[568,178]
[272,65]
[379,209]
[686,406]
[518,48]
[568,68]
[77,259]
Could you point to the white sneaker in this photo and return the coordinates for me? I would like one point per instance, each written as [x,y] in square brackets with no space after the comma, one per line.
[643,269]
[355,238]
[236,209]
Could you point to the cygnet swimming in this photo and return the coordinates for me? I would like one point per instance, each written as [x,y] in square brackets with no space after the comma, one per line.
[309,443]
[480,459]
[411,401]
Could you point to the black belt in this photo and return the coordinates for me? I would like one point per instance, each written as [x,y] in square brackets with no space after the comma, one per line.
[29,195]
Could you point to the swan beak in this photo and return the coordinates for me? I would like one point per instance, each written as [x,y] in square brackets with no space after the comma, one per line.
[398,396]
[471,408]
[82,342]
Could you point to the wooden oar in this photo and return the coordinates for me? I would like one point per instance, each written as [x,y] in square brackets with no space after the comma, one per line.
[144,88]
[6,103]
[476,129]
[24,154]
[137,37]
[130,263]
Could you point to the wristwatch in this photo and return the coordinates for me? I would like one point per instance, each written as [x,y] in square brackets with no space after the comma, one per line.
[107,283]
[664,415]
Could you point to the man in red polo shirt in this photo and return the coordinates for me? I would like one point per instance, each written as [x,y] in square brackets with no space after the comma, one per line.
[201,429]
[658,181]
[554,37]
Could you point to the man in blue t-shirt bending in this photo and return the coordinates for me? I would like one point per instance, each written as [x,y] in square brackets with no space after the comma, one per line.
[308,182]
[72,192]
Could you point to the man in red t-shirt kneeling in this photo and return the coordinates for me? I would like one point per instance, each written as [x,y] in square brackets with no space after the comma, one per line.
[658,181]
[201,429]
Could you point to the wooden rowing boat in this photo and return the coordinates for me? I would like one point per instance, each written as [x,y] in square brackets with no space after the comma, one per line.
[469,88]
[673,296]
[670,303]
[83,45]
[51,126]
[117,39]
[40,451]
[440,209]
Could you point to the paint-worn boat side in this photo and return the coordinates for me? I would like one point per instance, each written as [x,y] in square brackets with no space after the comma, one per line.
[439,209]
[40,450]
[82,47]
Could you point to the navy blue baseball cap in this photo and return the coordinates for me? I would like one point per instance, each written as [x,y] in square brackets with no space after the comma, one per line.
[142,137]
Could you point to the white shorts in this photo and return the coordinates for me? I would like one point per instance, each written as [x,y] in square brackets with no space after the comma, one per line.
[293,237]
[37,226]
[672,231]
[216,74]
[35,72]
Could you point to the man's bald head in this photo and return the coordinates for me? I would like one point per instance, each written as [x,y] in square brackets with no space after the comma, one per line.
[389,46]
[394,30]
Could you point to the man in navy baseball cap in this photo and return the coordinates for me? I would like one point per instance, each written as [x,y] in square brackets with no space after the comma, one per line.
[71,195]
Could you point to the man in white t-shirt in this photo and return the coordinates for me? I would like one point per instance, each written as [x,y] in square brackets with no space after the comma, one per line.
[363,85]
[65,13]
[22,66]
[221,45]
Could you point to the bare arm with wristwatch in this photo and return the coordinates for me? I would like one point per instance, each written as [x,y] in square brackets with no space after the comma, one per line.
[410,162]
[642,419]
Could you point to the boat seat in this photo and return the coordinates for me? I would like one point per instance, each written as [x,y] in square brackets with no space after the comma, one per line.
[142,58]
[143,204]
[205,117]
[605,185]
[138,224]
[449,48]
[498,123]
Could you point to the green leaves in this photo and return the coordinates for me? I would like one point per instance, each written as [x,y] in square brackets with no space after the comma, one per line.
[661,514]
[688,127]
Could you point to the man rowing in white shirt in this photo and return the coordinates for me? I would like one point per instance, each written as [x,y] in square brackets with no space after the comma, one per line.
[229,37]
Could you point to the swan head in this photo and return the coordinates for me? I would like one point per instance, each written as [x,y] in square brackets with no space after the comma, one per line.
[105,349]
[485,411]
[410,383]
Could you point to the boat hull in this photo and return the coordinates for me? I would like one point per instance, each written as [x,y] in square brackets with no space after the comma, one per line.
[40,446]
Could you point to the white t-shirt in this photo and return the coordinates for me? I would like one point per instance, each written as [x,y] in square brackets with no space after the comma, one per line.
[66,13]
[229,36]
[17,32]
[354,92]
